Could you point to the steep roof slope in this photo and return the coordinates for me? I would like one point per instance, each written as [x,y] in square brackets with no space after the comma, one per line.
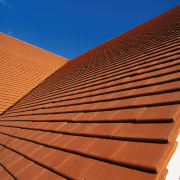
[111,113]
[22,68]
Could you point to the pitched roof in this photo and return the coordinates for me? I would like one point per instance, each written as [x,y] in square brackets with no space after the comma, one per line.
[110,113]
[23,67]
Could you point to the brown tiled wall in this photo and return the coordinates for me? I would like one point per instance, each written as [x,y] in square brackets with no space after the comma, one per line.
[22,68]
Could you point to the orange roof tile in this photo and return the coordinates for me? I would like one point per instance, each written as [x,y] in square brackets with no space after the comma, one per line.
[110,113]
[22,68]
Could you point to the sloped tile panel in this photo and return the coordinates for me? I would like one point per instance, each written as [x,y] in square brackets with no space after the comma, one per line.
[110,113]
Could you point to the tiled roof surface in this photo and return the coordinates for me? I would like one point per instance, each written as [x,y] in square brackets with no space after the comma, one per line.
[111,113]
[22,68]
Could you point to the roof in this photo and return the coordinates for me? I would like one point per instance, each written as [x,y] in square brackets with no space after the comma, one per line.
[110,113]
[23,67]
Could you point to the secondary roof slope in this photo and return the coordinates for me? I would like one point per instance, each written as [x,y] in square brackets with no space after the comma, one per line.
[22,68]
[111,113]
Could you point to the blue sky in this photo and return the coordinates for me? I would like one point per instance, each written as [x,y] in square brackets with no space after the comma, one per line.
[71,27]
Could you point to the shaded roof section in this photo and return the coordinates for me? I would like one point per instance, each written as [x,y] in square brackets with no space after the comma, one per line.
[111,113]
[22,68]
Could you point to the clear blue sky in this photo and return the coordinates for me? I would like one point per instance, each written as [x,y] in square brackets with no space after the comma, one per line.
[70,27]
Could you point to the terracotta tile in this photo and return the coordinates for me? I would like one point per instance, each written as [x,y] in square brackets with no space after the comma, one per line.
[8,130]
[24,133]
[83,128]
[102,116]
[173,97]
[34,125]
[106,105]
[119,103]
[19,166]
[101,97]
[34,135]
[127,114]
[82,100]
[2,148]
[76,167]
[167,70]
[144,132]
[64,116]
[51,110]
[80,144]
[145,90]
[139,155]
[101,170]
[162,174]
[41,154]
[121,94]
[85,116]
[46,175]
[104,148]
[62,141]
[82,107]
[39,125]
[4,174]
[142,82]
[167,86]
[1,128]
[65,109]
[5,154]
[31,172]
[105,129]
[10,159]
[115,88]
[28,148]
[166,77]
[56,159]
[47,138]
[13,142]
[54,126]
[67,127]
[160,113]
[18,144]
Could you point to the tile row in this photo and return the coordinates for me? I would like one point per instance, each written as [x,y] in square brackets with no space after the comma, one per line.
[150,92]
[96,82]
[154,132]
[139,154]
[168,113]
[63,162]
